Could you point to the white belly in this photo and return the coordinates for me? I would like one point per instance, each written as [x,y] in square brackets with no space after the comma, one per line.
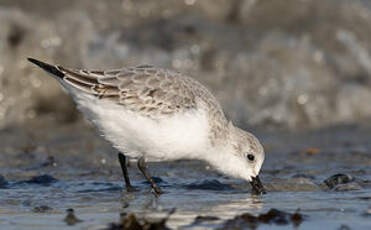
[182,136]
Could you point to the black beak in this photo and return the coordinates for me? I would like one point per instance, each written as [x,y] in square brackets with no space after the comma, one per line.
[257,186]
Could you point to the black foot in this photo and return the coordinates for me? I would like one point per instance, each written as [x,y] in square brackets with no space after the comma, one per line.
[157,190]
[132,189]
[143,168]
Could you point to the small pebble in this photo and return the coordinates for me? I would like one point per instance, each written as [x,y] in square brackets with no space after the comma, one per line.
[336,179]
[70,218]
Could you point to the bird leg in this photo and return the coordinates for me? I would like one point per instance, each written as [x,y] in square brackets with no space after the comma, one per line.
[143,168]
[122,160]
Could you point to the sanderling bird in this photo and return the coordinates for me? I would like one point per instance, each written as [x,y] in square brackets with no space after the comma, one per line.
[155,114]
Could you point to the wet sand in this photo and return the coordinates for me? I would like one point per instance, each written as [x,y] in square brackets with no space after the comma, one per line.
[48,168]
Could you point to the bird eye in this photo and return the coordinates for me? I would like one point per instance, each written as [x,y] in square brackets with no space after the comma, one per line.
[250,157]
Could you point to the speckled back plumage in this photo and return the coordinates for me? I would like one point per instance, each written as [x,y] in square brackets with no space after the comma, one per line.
[150,91]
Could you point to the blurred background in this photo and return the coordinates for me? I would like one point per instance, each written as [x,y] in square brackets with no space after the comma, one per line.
[293,64]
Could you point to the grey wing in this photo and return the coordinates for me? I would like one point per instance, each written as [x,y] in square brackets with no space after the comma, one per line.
[144,89]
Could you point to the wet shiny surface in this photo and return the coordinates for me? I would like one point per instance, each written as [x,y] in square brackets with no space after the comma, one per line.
[52,169]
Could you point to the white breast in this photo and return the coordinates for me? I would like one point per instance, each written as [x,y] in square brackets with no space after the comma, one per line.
[181,136]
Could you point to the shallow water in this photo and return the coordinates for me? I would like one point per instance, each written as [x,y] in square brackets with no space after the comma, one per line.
[88,179]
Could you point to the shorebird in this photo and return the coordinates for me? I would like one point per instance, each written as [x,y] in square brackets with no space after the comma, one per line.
[155,114]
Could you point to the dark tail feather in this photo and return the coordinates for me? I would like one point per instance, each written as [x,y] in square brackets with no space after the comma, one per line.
[48,68]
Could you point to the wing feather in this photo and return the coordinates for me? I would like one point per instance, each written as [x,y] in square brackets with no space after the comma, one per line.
[143,89]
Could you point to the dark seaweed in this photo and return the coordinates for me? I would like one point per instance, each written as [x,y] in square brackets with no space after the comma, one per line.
[273,216]
[131,222]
